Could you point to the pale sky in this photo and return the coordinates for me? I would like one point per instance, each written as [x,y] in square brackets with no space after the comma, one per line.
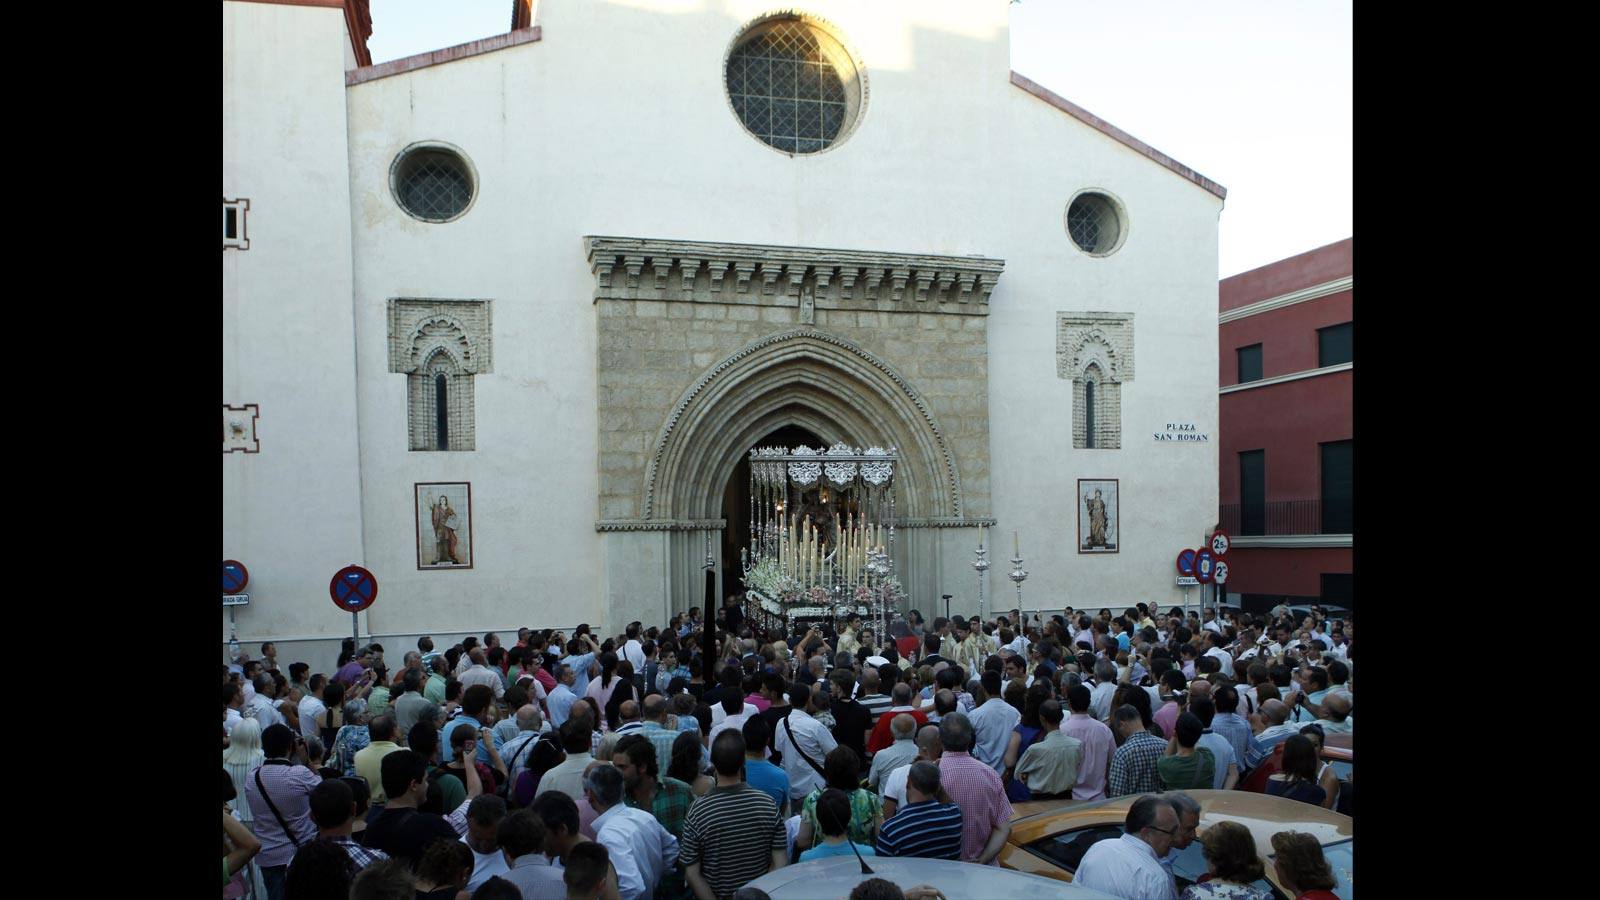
[1254,94]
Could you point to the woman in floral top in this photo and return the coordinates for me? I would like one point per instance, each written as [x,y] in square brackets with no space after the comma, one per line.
[1232,862]
[352,737]
[842,770]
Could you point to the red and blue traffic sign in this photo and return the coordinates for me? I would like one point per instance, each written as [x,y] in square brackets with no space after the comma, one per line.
[1205,565]
[234,576]
[353,588]
[1186,562]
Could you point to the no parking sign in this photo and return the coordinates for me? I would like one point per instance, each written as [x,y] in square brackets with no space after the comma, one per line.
[353,589]
[1205,565]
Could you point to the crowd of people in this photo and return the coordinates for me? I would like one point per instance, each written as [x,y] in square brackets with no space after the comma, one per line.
[691,759]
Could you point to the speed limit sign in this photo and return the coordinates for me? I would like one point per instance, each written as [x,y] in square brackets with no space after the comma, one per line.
[1220,544]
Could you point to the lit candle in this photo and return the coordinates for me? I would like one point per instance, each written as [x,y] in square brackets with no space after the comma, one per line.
[1016,545]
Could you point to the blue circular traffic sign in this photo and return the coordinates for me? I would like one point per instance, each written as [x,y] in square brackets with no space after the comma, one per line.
[353,588]
[1186,562]
[1205,565]
[234,576]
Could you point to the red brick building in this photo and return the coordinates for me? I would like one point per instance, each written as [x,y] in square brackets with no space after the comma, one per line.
[1286,443]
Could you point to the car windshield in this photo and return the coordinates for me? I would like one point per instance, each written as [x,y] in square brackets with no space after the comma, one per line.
[1067,849]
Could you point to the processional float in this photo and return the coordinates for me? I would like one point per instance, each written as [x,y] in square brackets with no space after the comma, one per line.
[821,536]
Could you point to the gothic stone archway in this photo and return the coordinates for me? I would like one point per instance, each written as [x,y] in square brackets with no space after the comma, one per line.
[706,348]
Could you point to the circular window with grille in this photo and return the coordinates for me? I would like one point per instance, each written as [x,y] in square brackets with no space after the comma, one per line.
[1096,223]
[794,85]
[433,182]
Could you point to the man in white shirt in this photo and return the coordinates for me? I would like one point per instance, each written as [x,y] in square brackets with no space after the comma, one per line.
[798,736]
[735,712]
[577,740]
[892,794]
[1104,688]
[311,705]
[264,708]
[232,702]
[1130,866]
[992,723]
[480,673]
[1214,642]
[483,824]
[641,849]
[633,650]
[562,697]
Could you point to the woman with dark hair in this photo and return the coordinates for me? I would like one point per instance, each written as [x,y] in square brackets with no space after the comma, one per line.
[623,690]
[1138,698]
[1301,865]
[685,762]
[321,870]
[600,689]
[1327,778]
[1023,736]
[1231,859]
[443,870]
[1296,778]
[841,770]
[330,720]
[546,755]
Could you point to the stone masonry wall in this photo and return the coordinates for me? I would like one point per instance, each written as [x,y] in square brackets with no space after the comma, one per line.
[651,351]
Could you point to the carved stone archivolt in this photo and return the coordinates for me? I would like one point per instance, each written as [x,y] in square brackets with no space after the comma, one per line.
[650,269]
[423,330]
[1103,339]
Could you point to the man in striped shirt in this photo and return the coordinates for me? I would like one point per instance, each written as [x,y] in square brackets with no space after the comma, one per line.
[924,827]
[732,835]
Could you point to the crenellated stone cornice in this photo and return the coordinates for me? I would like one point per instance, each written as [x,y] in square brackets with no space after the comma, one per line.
[709,272]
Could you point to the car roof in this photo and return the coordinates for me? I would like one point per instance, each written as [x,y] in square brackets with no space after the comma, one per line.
[1263,814]
[837,876]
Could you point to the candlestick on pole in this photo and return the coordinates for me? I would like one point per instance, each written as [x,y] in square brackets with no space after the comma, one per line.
[1018,575]
[981,564]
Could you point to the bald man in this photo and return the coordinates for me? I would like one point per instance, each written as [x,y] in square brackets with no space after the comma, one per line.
[1275,713]
[628,717]
[1336,714]
[929,748]
[903,728]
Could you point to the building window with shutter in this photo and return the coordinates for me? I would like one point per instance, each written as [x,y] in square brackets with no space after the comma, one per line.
[1253,492]
[1338,487]
[1336,344]
[234,234]
[1249,363]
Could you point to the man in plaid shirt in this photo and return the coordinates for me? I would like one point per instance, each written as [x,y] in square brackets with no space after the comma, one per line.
[975,787]
[1133,767]
[333,808]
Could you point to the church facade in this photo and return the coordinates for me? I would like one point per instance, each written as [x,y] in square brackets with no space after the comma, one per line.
[502,322]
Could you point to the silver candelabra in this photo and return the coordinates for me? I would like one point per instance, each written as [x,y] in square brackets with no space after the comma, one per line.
[1018,574]
[981,564]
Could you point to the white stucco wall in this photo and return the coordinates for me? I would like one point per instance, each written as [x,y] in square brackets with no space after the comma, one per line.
[616,123]
[291,513]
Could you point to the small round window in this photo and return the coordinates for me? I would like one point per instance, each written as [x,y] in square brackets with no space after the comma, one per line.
[793,85]
[1096,223]
[433,183]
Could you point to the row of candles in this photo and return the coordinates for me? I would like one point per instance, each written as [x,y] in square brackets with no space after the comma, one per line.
[1016,543]
[802,556]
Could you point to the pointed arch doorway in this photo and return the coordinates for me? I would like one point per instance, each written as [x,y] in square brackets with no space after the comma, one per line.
[736,501]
